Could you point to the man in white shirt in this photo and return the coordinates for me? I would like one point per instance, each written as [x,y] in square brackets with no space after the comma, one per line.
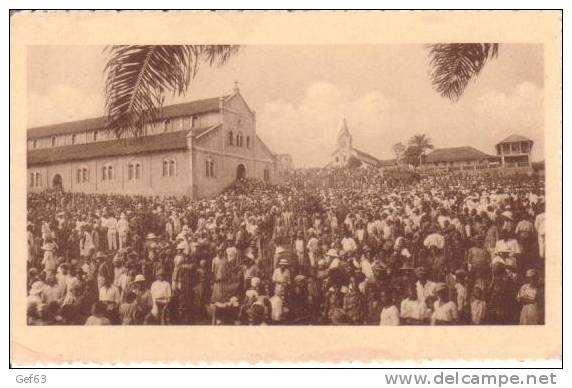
[111,224]
[425,288]
[160,294]
[123,229]
[110,296]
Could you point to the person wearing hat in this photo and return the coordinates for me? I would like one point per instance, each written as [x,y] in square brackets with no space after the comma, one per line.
[49,261]
[161,295]
[110,296]
[250,268]
[445,311]
[528,296]
[281,276]
[425,287]
[412,311]
[506,243]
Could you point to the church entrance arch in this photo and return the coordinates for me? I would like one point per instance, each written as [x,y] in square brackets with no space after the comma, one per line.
[57,182]
[240,171]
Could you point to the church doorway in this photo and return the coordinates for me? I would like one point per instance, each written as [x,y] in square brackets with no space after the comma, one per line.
[240,172]
[57,182]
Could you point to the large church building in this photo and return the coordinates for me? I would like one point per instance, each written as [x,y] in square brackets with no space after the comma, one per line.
[197,149]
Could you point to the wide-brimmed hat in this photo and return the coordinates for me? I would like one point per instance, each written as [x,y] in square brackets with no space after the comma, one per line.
[151,236]
[100,255]
[299,278]
[139,278]
[37,288]
[283,262]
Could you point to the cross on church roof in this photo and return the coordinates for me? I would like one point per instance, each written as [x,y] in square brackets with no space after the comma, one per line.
[236,86]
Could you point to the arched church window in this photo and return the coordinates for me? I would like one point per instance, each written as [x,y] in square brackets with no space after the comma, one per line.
[230,138]
[137,171]
[165,167]
[169,167]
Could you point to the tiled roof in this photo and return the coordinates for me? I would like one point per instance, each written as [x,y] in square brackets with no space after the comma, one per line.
[176,110]
[456,154]
[514,138]
[163,142]
[365,156]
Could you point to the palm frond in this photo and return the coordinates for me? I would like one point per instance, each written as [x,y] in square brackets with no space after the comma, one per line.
[138,77]
[454,65]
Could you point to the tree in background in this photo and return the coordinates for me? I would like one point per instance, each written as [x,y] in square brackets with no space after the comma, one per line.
[453,65]
[138,77]
[418,146]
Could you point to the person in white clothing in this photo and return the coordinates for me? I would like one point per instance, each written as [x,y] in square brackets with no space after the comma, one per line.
[123,230]
[445,310]
[389,313]
[161,295]
[111,224]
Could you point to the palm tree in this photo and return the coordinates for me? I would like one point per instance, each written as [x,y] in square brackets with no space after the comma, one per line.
[138,77]
[454,65]
[421,143]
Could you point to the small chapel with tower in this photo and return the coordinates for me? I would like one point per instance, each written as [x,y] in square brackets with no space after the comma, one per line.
[345,150]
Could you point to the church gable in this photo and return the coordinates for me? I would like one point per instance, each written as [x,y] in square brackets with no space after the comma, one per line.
[238,104]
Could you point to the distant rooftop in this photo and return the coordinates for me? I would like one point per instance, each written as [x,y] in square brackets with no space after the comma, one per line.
[453,154]
[170,111]
[514,138]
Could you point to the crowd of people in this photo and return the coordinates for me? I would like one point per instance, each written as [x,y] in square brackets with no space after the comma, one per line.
[326,247]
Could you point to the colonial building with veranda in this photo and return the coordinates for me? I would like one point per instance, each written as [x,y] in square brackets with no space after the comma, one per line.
[196,149]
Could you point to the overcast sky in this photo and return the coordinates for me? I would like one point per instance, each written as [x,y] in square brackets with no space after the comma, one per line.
[302,93]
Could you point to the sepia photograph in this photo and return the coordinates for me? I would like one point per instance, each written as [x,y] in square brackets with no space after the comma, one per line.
[259,184]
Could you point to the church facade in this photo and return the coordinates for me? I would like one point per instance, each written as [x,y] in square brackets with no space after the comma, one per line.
[197,149]
[345,151]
